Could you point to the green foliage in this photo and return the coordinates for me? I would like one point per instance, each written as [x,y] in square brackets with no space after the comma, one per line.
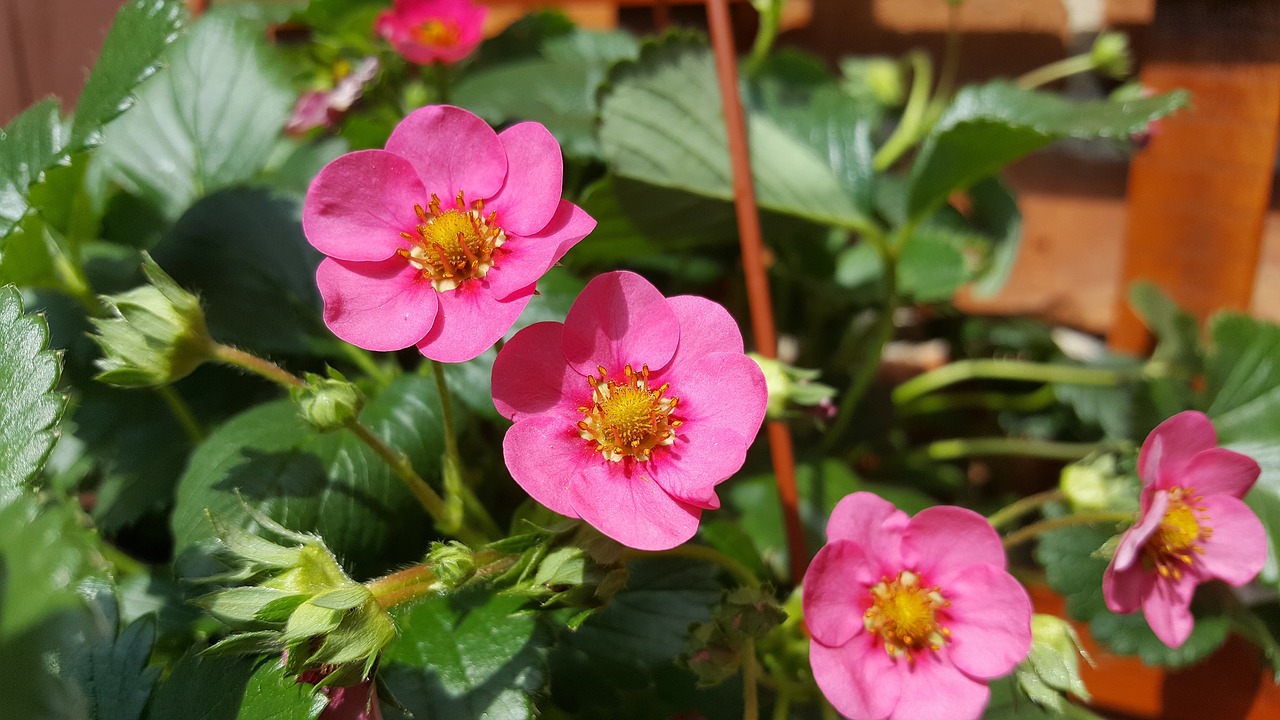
[243,251]
[30,144]
[29,407]
[989,126]
[209,122]
[113,673]
[273,695]
[130,54]
[470,656]
[658,125]
[203,688]
[1243,381]
[330,484]
[555,86]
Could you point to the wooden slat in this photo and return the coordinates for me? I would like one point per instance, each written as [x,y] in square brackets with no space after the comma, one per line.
[1198,196]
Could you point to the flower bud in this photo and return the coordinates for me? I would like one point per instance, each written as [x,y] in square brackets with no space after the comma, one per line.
[1110,55]
[879,79]
[1052,668]
[792,389]
[157,335]
[301,603]
[1096,484]
[716,646]
[328,404]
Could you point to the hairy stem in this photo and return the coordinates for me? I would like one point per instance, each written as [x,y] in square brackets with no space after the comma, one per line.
[458,494]
[750,673]
[957,448]
[1056,71]
[1023,506]
[182,412]
[963,370]
[911,126]
[1034,530]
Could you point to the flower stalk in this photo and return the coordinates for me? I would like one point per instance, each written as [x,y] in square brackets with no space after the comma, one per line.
[1036,529]
[963,370]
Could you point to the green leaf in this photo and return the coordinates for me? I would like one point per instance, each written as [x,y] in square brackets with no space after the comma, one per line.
[43,552]
[209,122]
[1130,635]
[29,407]
[243,252]
[556,87]
[271,695]
[30,145]
[661,122]
[465,657]
[114,675]
[989,126]
[130,54]
[996,214]
[621,662]
[1178,350]
[202,688]
[330,484]
[1243,379]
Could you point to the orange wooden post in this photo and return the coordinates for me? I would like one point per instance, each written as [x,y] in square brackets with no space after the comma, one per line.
[1198,195]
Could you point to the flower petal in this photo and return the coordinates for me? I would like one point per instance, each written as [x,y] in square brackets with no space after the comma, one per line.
[1167,608]
[1124,590]
[705,327]
[1173,443]
[1219,471]
[858,678]
[524,259]
[471,320]
[381,306]
[836,591]
[702,457]
[872,523]
[1133,540]
[621,501]
[721,390]
[535,175]
[941,539]
[359,204]
[546,457]
[990,620]
[935,689]
[451,150]
[619,318]
[1237,549]
[531,376]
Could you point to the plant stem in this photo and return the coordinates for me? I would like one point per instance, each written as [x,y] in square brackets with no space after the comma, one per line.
[182,412]
[1056,71]
[403,586]
[963,370]
[950,66]
[910,127]
[456,491]
[702,552]
[1038,399]
[74,282]
[1022,506]
[765,37]
[782,706]
[255,365]
[828,711]
[870,361]
[750,671]
[399,464]
[1022,535]
[956,448]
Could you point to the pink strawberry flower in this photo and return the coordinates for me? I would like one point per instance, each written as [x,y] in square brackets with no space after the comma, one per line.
[429,31]
[631,412]
[437,240]
[1192,527]
[910,617]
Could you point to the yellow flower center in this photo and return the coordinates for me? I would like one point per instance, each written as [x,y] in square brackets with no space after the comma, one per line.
[450,246]
[627,419]
[1176,541]
[905,616]
[440,33]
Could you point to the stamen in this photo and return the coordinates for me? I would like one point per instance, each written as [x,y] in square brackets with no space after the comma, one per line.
[627,419]
[453,246]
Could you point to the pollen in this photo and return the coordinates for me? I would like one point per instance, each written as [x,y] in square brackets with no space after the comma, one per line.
[1176,542]
[904,613]
[437,32]
[451,246]
[627,418]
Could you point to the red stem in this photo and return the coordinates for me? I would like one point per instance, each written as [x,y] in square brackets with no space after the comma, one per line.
[758,301]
